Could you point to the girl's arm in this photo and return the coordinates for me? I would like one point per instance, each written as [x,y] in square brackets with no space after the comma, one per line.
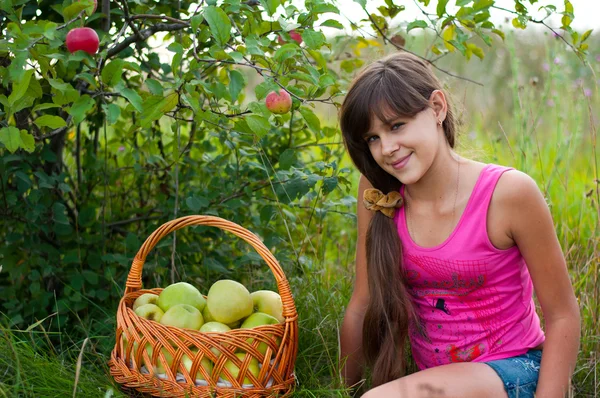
[351,333]
[532,228]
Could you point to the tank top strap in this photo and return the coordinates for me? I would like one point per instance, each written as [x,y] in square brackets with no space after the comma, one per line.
[474,220]
[481,196]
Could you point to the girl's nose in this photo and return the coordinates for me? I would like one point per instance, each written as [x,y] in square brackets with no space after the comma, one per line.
[388,146]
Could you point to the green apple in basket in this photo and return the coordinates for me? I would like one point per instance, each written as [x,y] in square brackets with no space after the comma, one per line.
[214,327]
[181,293]
[146,298]
[158,365]
[229,301]
[209,318]
[235,370]
[260,319]
[183,316]
[150,311]
[204,363]
[268,302]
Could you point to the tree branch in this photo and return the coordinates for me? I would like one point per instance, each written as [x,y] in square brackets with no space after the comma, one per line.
[144,34]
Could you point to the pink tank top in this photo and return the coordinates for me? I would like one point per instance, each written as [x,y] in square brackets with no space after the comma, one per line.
[473,301]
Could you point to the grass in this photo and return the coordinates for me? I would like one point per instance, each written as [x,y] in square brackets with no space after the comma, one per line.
[535,118]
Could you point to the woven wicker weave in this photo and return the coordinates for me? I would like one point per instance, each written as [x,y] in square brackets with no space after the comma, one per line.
[133,367]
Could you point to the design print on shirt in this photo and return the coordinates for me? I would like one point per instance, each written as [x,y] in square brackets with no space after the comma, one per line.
[455,354]
[459,298]
[440,304]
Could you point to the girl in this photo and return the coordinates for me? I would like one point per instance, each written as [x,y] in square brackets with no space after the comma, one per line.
[449,251]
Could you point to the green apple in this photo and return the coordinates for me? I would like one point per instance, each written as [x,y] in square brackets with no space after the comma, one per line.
[229,301]
[150,311]
[268,302]
[204,362]
[181,293]
[183,316]
[235,370]
[207,315]
[214,327]
[209,318]
[259,319]
[159,366]
[146,298]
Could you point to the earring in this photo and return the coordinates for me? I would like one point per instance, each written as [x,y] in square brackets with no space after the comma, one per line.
[439,122]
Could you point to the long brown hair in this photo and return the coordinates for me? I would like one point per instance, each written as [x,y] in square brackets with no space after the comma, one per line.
[398,84]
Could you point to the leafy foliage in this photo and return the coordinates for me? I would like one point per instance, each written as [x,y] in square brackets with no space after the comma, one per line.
[97,150]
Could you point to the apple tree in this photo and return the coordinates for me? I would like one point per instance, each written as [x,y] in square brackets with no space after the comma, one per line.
[118,116]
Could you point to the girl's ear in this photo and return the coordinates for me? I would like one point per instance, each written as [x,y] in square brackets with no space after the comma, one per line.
[437,102]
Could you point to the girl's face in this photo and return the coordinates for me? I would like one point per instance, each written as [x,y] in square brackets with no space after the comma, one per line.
[407,147]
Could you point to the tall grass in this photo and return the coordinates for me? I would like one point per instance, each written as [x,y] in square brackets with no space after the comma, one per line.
[532,113]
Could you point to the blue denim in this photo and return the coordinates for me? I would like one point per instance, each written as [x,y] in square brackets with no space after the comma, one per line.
[519,374]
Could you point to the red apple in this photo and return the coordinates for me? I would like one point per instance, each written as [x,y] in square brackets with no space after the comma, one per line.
[85,39]
[279,103]
[294,35]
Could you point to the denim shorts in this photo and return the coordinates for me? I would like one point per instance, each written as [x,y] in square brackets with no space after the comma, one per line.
[519,374]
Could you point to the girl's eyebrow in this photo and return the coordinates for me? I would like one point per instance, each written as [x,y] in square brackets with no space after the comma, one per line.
[387,122]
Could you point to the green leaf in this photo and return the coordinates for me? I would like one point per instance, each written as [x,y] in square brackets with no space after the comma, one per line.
[520,22]
[416,24]
[482,4]
[111,74]
[196,203]
[586,35]
[286,51]
[156,106]
[27,141]
[112,112]
[236,84]
[41,107]
[219,23]
[499,33]
[51,121]
[329,184]
[196,21]
[170,102]
[154,86]
[461,3]
[363,3]
[332,23]
[73,10]
[258,124]
[474,49]
[11,138]
[441,7]
[80,108]
[270,6]
[253,45]
[311,119]
[20,87]
[287,159]
[176,62]
[134,98]
[314,40]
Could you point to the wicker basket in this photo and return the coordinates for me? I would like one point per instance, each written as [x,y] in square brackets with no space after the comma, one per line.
[135,367]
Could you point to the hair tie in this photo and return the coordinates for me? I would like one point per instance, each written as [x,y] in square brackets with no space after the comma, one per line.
[375,200]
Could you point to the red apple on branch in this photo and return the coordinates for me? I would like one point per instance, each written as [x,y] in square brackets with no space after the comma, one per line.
[85,39]
[294,35]
[279,103]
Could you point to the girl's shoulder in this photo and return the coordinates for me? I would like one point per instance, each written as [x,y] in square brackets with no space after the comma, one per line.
[514,201]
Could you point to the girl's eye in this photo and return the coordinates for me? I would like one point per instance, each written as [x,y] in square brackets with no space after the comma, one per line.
[397,124]
[368,139]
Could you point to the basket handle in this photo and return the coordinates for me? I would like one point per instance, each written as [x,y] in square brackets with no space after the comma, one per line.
[134,278]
